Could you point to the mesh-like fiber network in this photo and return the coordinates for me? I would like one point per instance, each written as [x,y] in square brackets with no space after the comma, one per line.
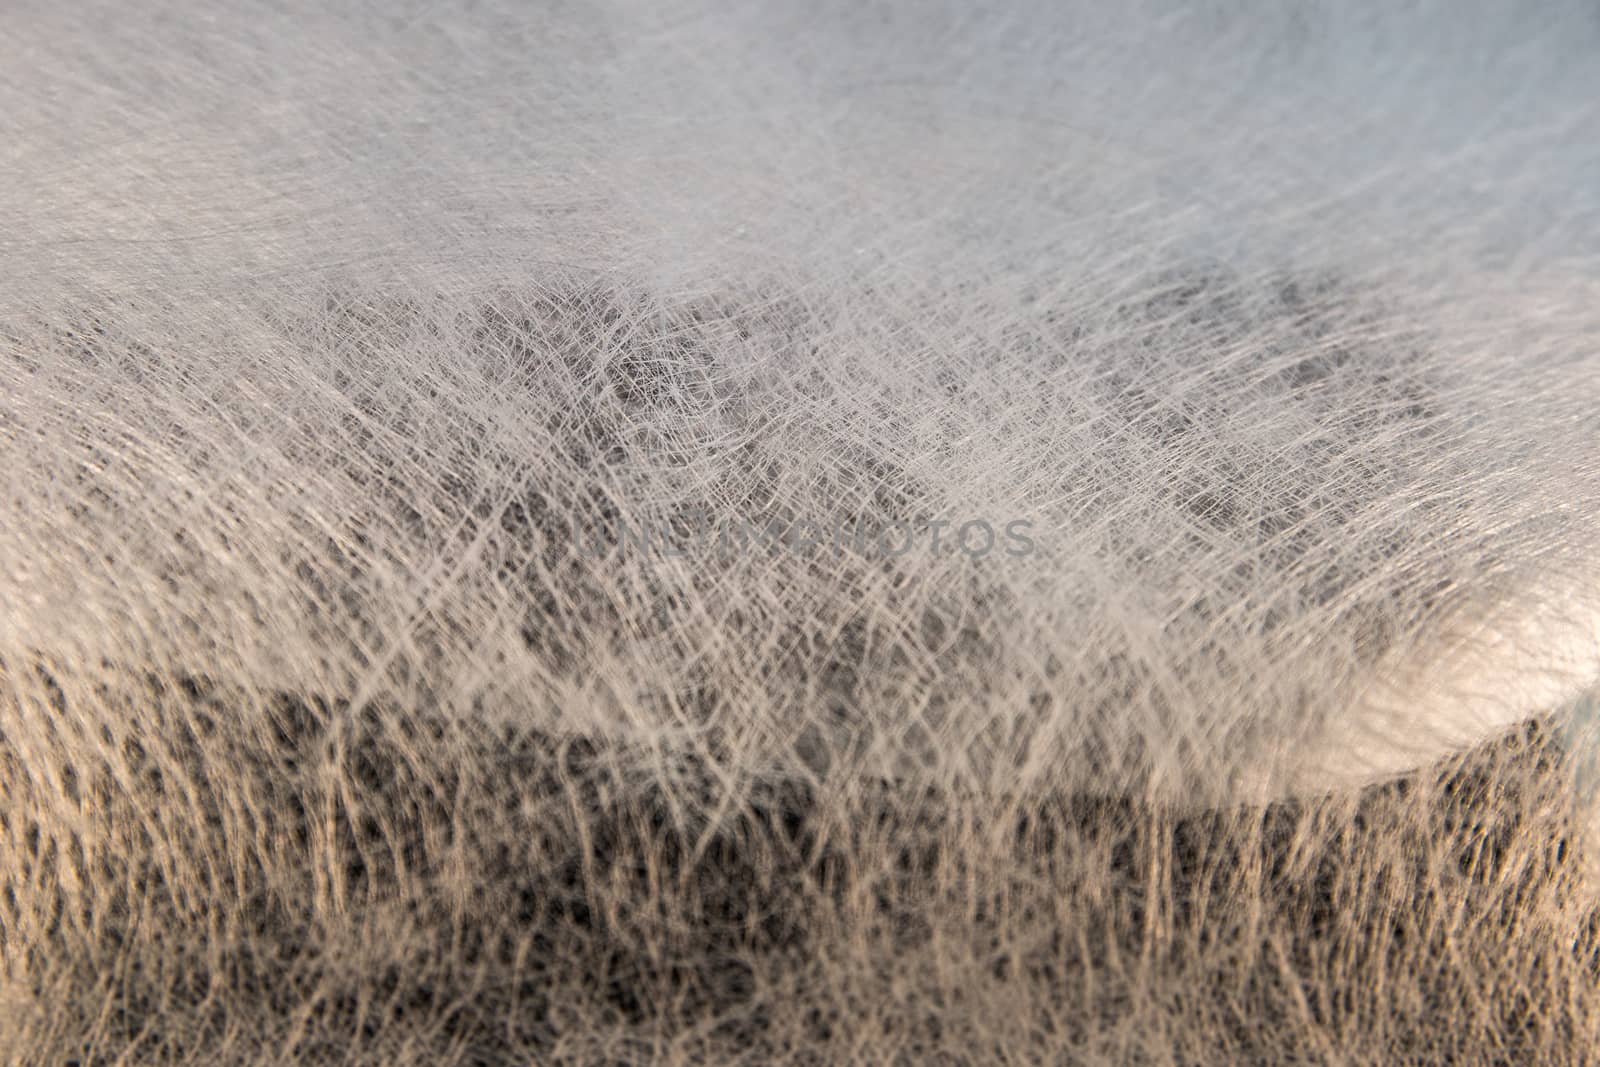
[695,533]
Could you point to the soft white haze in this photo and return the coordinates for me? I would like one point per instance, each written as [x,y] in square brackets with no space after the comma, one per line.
[321,324]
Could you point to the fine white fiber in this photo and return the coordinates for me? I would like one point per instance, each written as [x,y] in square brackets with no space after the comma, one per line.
[619,532]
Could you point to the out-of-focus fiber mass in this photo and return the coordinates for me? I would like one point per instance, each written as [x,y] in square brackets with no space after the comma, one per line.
[471,481]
